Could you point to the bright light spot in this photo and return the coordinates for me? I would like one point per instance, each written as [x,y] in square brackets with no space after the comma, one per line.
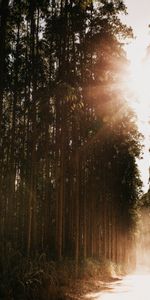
[137,88]
[138,83]
[131,287]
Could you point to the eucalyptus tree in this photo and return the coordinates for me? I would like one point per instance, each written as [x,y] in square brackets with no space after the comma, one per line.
[69,138]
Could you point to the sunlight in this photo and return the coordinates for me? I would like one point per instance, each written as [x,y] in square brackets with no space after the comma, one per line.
[131,287]
[140,82]
[137,90]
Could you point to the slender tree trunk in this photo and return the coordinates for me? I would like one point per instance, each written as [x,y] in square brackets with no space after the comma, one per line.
[4,7]
[3,32]
[32,224]
[77,214]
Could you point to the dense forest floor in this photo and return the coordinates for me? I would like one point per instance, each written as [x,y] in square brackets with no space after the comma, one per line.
[41,279]
[79,289]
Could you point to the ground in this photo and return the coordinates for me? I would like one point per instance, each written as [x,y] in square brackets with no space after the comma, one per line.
[79,289]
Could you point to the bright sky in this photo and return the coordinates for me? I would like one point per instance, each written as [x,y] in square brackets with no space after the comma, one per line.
[139,18]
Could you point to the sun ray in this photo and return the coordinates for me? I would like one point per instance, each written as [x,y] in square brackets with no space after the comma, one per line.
[137,89]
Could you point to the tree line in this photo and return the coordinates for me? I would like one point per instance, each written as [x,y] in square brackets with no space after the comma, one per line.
[69,182]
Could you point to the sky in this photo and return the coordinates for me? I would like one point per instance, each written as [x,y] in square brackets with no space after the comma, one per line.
[139,18]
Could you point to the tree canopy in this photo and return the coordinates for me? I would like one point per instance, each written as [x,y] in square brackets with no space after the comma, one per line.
[69,182]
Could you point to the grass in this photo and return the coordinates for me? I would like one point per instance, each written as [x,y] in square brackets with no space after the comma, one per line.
[26,279]
[23,278]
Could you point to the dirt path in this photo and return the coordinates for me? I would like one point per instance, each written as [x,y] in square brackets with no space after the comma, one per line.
[84,289]
[131,287]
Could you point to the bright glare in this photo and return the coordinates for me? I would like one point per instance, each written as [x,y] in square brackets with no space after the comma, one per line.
[137,87]
[135,286]
[131,287]
[138,18]
[138,82]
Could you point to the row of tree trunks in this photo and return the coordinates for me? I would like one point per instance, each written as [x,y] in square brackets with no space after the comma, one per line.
[61,177]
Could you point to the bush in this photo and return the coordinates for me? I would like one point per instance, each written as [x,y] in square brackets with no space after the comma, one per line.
[101,269]
[27,278]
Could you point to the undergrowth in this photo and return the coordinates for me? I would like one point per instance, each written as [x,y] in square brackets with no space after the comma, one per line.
[24,278]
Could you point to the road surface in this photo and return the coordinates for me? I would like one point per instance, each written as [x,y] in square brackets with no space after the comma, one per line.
[133,287]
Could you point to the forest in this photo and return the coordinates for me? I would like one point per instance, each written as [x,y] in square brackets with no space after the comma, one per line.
[69,181]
